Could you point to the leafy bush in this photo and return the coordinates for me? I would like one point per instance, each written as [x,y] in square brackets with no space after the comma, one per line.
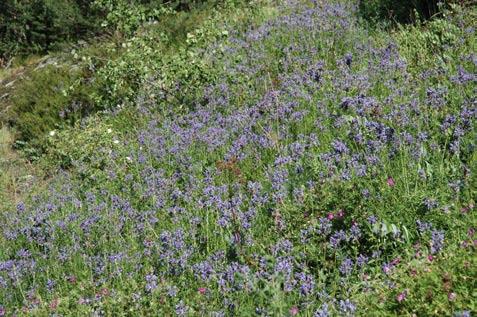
[40,25]
[50,98]
[37,26]
[439,38]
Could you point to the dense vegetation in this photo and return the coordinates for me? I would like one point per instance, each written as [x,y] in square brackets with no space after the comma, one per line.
[281,158]
[66,86]
[403,10]
[37,26]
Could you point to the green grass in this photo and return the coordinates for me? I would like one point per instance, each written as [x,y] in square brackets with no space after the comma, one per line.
[17,176]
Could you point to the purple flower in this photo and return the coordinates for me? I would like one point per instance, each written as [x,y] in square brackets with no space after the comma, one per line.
[387,267]
[204,270]
[355,232]
[337,238]
[20,207]
[172,291]
[339,147]
[322,311]
[372,219]
[347,308]
[348,58]
[346,266]
[362,260]
[181,309]
[437,241]
[284,265]
[50,284]
[430,203]
[423,226]
[151,282]
[307,283]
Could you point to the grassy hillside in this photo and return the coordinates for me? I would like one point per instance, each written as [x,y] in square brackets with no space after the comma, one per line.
[285,160]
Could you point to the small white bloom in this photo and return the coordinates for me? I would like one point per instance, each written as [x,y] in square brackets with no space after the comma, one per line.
[110,130]
[128,158]
[52,133]
[116,141]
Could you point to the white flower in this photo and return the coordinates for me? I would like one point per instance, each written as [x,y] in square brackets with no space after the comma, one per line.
[52,133]
[109,130]
[116,141]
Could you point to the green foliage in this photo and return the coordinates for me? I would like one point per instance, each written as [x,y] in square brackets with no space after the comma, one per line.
[95,138]
[50,98]
[442,287]
[125,16]
[113,72]
[399,10]
[168,51]
[437,42]
[40,25]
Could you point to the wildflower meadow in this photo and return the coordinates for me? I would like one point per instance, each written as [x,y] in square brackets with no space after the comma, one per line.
[306,163]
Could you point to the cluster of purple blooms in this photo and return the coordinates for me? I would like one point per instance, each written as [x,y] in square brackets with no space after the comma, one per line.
[208,196]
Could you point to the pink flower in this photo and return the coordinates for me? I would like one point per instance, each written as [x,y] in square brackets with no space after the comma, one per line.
[340,213]
[430,258]
[294,311]
[465,210]
[451,296]
[401,296]
[471,232]
[202,290]
[390,182]
[54,304]
[71,279]
[330,216]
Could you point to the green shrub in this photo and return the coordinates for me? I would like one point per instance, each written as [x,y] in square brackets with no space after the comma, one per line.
[48,99]
[399,10]
[436,43]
